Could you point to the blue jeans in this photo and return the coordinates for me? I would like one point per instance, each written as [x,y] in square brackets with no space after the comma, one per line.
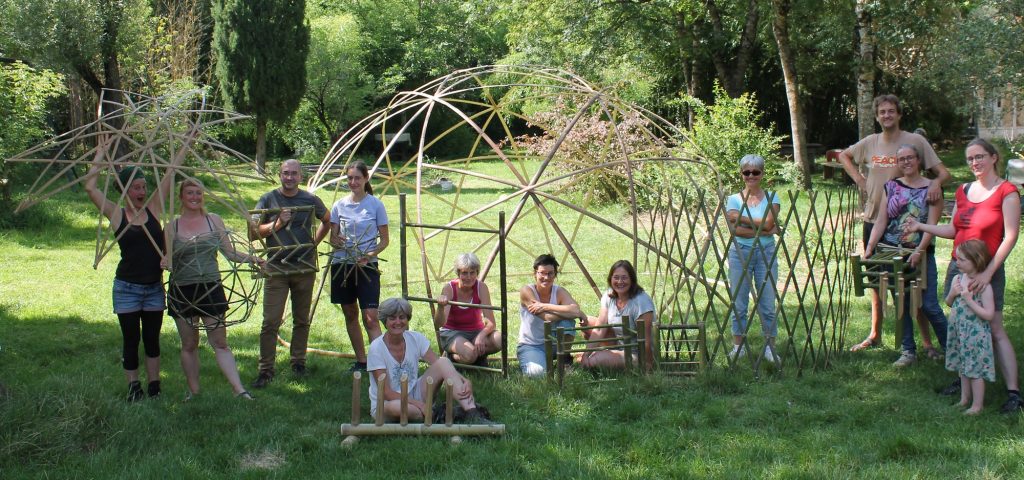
[533,358]
[930,307]
[764,271]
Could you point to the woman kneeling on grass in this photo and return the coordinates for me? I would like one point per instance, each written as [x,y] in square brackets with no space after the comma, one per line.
[623,298]
[399,351]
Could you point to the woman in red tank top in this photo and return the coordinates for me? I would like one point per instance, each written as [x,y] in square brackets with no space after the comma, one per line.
[987,209]
[468,334]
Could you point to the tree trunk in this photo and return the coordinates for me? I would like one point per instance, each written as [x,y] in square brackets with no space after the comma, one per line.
[780,27]
[866,71]
[261,144]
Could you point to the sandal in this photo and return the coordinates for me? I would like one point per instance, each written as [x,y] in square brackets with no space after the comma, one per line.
[246,395]
[867,343]
[932,353]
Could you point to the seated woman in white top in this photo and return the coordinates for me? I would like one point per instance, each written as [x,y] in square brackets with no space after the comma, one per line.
[541,302]
[399,351]
[624,297]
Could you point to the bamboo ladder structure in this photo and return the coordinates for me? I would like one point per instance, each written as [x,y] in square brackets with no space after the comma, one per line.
[501,308]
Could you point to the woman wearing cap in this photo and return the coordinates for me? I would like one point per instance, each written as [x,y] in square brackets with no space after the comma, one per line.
[753,214]
[138,290]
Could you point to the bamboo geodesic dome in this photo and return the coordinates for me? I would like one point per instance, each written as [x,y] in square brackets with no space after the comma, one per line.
[590,178]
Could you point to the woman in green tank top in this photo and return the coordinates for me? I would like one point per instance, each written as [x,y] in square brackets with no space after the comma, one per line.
[195,291]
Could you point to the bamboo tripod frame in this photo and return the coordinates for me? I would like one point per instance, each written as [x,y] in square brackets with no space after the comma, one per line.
[355,429]
[501,308]
[888,272]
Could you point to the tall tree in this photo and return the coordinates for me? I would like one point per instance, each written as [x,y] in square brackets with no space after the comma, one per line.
[780,27]
[261,48]
[865,70]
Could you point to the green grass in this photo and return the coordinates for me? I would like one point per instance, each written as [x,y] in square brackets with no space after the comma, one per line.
[62,413]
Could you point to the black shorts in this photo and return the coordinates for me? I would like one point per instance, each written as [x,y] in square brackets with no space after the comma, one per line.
[448,337]
[351,282]
[196,300]
[867,234]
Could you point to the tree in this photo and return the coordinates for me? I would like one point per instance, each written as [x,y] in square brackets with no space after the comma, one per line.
[24,92]
[261,48]
[339,89]
[780,28]
[865,70]
[91,38]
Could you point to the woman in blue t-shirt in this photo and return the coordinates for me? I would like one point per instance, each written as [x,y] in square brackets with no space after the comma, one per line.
[752,214]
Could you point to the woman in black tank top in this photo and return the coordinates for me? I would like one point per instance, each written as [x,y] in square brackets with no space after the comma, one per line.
[138,283]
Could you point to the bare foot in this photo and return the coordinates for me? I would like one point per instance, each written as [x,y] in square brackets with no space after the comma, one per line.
[964,403]
[972,411]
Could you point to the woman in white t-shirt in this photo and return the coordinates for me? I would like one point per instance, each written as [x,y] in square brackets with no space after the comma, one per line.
[624,297]
[399,351]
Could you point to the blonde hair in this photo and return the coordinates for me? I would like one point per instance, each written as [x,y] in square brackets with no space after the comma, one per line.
[976,252]
[191,182]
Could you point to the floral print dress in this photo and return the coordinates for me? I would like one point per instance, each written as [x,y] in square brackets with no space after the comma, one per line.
[969,342]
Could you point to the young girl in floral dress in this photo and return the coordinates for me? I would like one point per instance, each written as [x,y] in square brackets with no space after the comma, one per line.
[969,343]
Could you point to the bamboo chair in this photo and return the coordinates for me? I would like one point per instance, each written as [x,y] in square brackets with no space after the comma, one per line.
[679,349]
[889,273]
[558,348]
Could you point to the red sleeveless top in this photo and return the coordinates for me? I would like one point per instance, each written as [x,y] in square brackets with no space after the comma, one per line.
[464,318]
[982,220]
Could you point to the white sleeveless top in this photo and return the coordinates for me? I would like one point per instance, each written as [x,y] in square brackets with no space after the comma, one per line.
[531,327]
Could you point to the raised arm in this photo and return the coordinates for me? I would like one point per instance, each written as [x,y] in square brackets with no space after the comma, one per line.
[107,208]
[156,201]
[441,314]
[485,299]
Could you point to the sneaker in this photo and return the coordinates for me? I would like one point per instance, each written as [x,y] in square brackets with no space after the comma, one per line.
[906,359]
[153,389]
[737,351]
[263,379]
[769,355]
[135,391]
[357,367]
[951,389]
[299,370]
[474,417]
[1012,405]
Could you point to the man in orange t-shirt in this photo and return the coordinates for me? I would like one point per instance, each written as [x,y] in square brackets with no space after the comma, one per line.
[876,153]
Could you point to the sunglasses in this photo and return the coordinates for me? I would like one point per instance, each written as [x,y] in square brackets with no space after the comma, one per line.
[748,173]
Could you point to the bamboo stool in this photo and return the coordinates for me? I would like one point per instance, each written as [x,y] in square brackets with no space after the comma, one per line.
[679,349]
[887,270]
[557,348]
[355,429]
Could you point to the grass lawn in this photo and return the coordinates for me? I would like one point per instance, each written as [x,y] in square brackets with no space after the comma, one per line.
[62,412]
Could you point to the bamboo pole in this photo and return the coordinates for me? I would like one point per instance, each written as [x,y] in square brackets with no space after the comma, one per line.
[403,418]
[356,382]
[421,429]
[428,415]
[503,293]
[380,398]
[448,403]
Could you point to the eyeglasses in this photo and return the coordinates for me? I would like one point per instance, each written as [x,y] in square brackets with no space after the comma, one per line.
[906,158]
[748,173]
[977,158]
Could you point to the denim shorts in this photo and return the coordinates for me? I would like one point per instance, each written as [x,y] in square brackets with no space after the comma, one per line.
[133,297]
